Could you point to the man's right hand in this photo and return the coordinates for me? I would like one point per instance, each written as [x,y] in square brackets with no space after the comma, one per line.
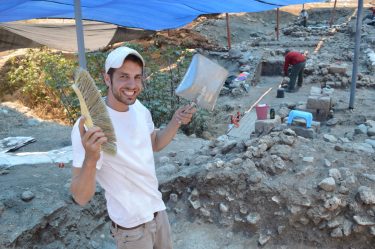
[92,139]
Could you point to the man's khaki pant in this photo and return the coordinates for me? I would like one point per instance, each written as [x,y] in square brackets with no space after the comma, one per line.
[155,234]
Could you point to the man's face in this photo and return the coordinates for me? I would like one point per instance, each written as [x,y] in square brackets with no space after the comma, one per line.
[125,85]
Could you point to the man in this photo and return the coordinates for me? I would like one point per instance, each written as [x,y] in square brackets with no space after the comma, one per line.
[134,204]
[370,16]
[298,62]
[304,16]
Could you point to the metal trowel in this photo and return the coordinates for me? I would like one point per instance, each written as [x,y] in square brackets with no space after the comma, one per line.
[202,82]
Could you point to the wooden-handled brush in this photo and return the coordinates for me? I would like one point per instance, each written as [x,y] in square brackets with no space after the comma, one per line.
[94,109]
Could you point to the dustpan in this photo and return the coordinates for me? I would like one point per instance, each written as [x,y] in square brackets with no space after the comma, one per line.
[202,82]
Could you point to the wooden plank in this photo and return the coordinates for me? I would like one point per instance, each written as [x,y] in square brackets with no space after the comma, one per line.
[247,126]
[247,122]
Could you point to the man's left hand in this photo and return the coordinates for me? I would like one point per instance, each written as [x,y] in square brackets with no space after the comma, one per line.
[184,114]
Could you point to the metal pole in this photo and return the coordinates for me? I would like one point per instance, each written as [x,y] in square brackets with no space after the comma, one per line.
[333,14]
[356,53]
[79,31]
[277,23]
[228,30]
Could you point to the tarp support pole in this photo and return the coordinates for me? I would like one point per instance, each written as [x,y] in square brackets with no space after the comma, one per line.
[228,30]
[333,14]
[79,31]
[356,53]
[277,23]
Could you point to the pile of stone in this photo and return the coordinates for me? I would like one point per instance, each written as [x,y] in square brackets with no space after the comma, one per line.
[275,184]
[301,31]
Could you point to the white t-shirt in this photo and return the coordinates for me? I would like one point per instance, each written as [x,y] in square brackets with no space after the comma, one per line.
[129,178]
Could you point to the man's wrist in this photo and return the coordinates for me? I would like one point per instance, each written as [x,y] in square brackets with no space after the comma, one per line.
[90,162]
[176,122]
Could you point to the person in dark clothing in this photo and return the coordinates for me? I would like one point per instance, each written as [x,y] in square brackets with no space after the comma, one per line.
[304,16]
[298,62]
[370,16]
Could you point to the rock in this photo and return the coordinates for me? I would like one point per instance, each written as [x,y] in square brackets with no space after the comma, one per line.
[369,176]
[344,140]
[295,209]
[263,127]
[370,123]
[173,197]
[363,147]
[94,244]
[332,122]
[372,230]
[328,184]
[194,200]
[263,239]
[360,129]
[347,227]
[2,208]
[200,159]
[366,195]
[4,171]
[272,164]
[335,173]
[223,208]
[237,161]
[164,160]
[304,132]
[283,151]
[166,170]
[280,229]
[329,138]
[290,132]
[337,69]
[228,146]
[220,163]
[343,147]
[359,119]
[363,221]
[253,218]
[304,221]
[371,142]
[27,195]
[276,199]
[235,53]
[320,102]
[371,131]
[32,122]
[343,190]
[333,223]
[255,177]
[337,233]
[283,112]
[172,154]
[327,163]
[332,203]
[308,159]
[205,212]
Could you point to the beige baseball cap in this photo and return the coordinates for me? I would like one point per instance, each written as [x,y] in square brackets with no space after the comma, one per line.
[116,58]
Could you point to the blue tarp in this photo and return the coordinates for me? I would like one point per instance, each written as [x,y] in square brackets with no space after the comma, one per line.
[146,14]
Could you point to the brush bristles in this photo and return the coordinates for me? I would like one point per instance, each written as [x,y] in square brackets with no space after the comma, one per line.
[97,108]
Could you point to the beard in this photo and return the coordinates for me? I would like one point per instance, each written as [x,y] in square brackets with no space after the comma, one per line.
[123,98]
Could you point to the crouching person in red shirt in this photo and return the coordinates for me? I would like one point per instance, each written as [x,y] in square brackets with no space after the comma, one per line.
[298,62]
